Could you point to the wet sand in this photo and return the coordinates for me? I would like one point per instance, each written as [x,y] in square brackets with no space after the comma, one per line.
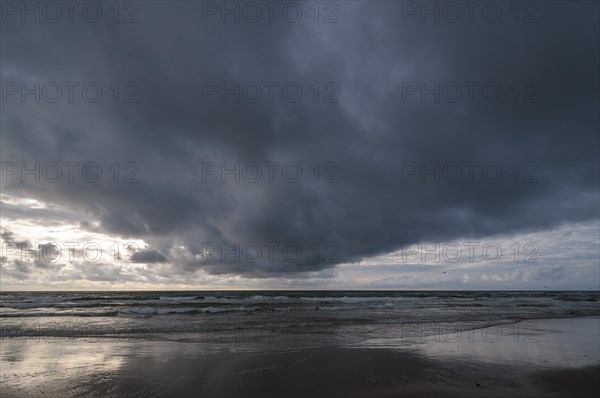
[430,368]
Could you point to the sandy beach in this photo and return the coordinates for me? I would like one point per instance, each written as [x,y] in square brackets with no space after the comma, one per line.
[562,361]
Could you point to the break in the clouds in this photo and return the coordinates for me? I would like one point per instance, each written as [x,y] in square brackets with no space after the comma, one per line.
[353,131]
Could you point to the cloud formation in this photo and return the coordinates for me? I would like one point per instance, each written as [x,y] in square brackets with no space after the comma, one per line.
[386,152]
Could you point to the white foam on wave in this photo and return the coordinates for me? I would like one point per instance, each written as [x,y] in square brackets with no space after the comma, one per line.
[251,299]
[176,299]
[352,300]
[145,311]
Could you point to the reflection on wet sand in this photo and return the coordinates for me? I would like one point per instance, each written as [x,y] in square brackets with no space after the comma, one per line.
[507,366]
[573,342]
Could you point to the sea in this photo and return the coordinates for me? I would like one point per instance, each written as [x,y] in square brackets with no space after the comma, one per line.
[263,320]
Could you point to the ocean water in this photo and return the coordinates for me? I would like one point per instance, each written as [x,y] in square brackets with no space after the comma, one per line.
[247,320]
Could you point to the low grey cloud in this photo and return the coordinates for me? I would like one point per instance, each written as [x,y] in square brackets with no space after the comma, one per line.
[148,256]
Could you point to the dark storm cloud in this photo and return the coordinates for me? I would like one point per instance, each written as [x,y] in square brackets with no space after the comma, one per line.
[369,134]
[148,256]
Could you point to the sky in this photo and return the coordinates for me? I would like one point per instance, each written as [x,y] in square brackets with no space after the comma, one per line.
[300,145]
